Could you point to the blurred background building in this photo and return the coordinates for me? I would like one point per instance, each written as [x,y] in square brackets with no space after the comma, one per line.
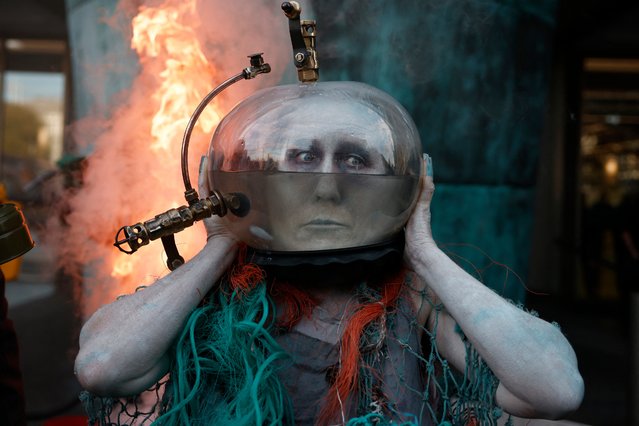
[530,110]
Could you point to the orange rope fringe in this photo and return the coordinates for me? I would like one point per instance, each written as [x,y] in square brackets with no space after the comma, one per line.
[293,304]
[346,380]
[244,275]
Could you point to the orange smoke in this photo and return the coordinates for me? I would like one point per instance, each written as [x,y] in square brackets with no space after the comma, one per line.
[185,49]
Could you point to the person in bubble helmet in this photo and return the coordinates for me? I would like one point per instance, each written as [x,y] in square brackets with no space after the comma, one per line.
[329,302]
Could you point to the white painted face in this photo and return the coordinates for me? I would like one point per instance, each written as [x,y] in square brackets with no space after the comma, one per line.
[323,175]
[330,142]
[322,135]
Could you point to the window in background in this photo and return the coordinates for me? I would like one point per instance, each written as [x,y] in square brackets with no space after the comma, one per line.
[32,117]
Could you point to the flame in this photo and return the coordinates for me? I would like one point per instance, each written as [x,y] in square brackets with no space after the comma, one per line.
[170,49]
[133,171]
[160,35]
[123,267]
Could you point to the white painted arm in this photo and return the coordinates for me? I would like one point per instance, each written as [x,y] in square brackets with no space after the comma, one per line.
[534,362]
[123,345]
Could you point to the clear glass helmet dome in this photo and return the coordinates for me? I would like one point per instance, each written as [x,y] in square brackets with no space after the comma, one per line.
[324,166]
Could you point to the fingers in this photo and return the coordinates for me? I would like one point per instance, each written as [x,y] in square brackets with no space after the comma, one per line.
[419,234]
[428,164]
[427,184]
[202,179]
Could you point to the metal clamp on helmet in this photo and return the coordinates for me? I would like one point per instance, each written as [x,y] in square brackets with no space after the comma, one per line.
[130,238]
[303,34]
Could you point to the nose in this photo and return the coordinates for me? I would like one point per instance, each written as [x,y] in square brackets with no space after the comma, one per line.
[327,189]
[327,165]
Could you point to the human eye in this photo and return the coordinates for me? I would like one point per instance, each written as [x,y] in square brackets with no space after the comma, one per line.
[305,157]
[302,159]
[354,161]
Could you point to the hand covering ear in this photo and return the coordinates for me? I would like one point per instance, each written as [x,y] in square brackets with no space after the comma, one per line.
[214,226]
[419,236]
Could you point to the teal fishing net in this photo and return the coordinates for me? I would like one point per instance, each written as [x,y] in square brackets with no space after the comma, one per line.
[235,364]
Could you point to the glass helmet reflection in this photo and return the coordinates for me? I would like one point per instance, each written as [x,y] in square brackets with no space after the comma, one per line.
[324,166]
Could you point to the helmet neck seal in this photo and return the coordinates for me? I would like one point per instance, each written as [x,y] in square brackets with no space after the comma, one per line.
[319,266]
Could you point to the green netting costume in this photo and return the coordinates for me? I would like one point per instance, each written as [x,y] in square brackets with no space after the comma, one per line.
[256,352]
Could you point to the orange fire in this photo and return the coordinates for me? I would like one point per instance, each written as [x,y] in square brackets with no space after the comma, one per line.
[160,36]
[168,49]
[175,75]
[185,49]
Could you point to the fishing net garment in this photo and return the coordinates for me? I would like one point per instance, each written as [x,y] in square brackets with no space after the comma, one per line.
[234,365]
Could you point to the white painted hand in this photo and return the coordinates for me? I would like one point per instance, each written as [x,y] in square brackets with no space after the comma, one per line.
[214,225]
[419,237]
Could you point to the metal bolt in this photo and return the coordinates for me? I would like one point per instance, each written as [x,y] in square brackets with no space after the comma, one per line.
[287,7]
[256,59]
[299,57]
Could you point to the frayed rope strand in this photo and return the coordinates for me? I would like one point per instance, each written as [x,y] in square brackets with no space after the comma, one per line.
[229,344]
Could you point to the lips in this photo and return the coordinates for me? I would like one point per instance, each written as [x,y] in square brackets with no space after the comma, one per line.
[325,225]
[324,222]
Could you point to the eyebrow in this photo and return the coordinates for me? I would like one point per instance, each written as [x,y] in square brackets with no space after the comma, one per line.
[351,147]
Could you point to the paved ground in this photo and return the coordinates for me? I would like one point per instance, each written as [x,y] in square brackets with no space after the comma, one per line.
[47,328]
